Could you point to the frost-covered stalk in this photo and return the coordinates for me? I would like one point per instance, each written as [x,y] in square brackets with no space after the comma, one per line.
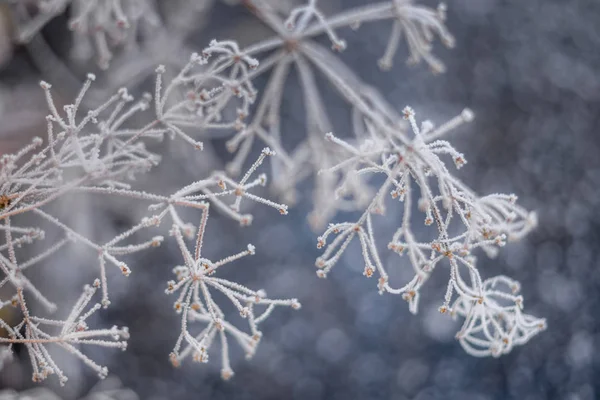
[101,152]
[99,25]
[201,92]
[78,152]
[461,222]
[93,150]
[195,281]
[294,49]
[195,278]
[35,333]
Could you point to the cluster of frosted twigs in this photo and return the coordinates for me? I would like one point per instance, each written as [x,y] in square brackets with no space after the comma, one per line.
[460,222]
[291,49]
[101,152]
[195,281]
[100,25]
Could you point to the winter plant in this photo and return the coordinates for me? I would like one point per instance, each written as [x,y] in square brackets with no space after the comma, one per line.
[462,221]
[387,161]
[98,153]
[100,25]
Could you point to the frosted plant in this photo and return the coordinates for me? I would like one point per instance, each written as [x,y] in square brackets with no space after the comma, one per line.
[99,24]
[102,152]
[194,196]
[293,48]
[104,24]
[195,282]
[38,175]
[72,331]
[208,92]
[75,155]
[495,323]
[195,277]
[101,148]
[463,222]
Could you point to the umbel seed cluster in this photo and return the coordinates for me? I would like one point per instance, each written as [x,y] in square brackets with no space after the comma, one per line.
[388,160]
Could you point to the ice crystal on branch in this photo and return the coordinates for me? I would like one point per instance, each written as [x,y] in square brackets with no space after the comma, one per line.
[459,221]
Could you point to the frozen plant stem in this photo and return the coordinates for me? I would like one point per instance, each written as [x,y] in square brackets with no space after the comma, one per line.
[494,322]
[101,153]
[195,281]
[293,48]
